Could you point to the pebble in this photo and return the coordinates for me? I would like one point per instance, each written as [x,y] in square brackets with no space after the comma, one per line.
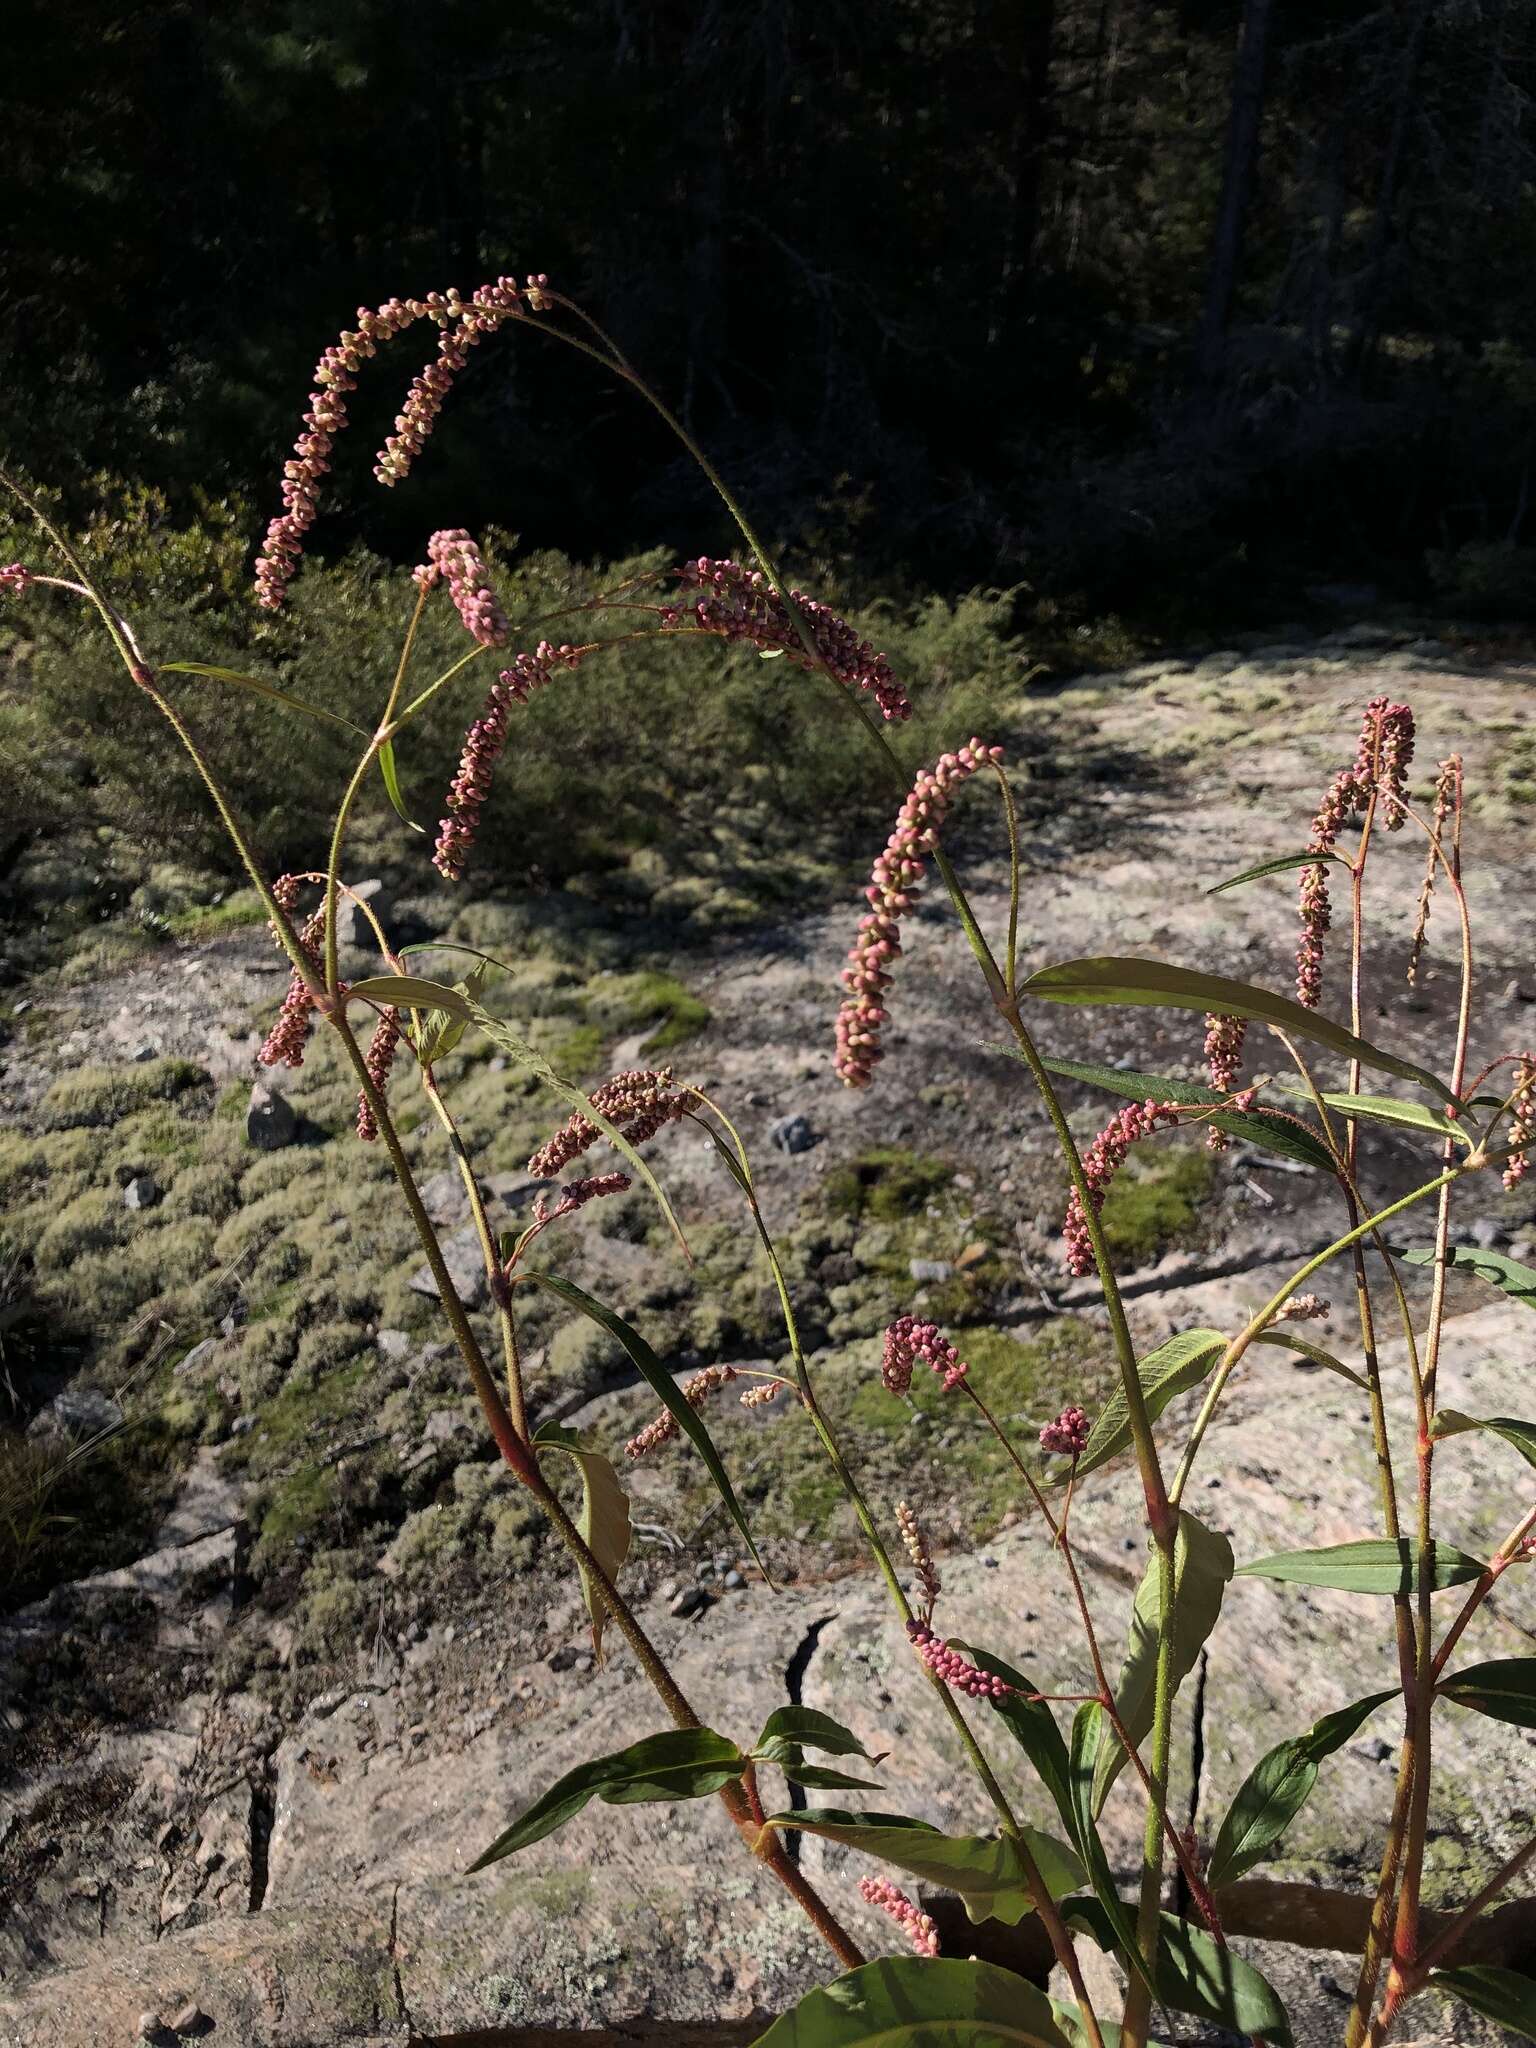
[191,2019]
[150,2024]
[562,1659]
[792,1134]
[692,1600]
[733,1581]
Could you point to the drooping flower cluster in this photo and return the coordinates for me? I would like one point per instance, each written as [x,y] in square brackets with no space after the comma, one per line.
[381,1057]
[638,1102]
[1447,800]
[763,1394]
[1067,1436]
[952,1668]
[907,1341]
[922,1557]
[1101,1162]
[14,578]
[1305,1308]
[284,1043]
[662,1428]
[454,557]
[914,1923]
[1223,1059]
[892,891]
[1382,758]
[577,1193]
[482,750]
[1522,1126]
[741,604]
[461,323]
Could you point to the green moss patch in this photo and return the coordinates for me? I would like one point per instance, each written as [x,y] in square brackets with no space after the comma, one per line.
[885,1184]
[1155,1202]
[92,1096]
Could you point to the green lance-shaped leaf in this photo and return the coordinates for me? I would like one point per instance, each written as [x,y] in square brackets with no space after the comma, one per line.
[661,1383]
[260,689]
[1267,1130]
[1503,1996]
[1287,1340]
[391,775]
[1114,1924]
[439,1032]
[1521,1436]
[790,1729]
[1183,1362]
[1388,1109]
[1281,866]
[407,992]
[1278,1787]
[1033,1727]
[604,1519]
[1194,1975]
[681,1763]
[1375,1565]
[922,2002]
[1505,1273]
[1202,1565]
[1503,1689]
[985,1870]
[1155,982]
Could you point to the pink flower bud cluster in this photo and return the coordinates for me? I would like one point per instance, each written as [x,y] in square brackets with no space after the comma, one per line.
[664,1427]
[577,1193]
[907,1341]
[891,893]
[1522,1121]
[381,1057]
[638,1101]
[482,750]
[1223,1058]
[1067,1436]
[15,578]
[955,1670]
[1101,1162]
[454,556]
[284,1044]
[1382,758]
[914,1923]
[461,324]
[1305,1308]
[764,1394]
[1447,798]
[741,604]
[916,1541]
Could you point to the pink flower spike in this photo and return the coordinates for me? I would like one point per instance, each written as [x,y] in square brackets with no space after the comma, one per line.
[454,557]
[892,891]
[1067,1436]
[15,579]
[952,1668]
[381,1057]
[907,1341]
[1101,1162]
[917,1925]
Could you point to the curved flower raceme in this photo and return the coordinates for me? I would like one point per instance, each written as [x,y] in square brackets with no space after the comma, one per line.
[915,1924]
[741,604]
[916,1541]
[892,891]
[461,323]
[1522,1125]
[638,1102]
[1224,1038]
[284,1043]
[907,1341]
[952,1668]
[14,578]
[1101,1162]
[662,1428]
[482,750]
[381,1057]
[1383,755]
[454,557]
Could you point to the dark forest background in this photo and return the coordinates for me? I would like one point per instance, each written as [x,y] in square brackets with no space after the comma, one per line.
[1166,310]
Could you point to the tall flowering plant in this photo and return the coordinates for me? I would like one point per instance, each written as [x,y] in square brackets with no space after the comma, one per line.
[1473,1124]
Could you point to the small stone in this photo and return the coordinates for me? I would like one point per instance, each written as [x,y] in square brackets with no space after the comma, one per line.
[352,927]
[733,1581]
[584,1660]
[1485,1232]
[270,1119]
[937,1270]
[394,1345]
[802,1532]
[199,1355]
[190,2019]
[792,1134]
[692,1600]
[241,1424]
[142,1054]
[563,1659]
[77,1412]
[142,1192]
[150,2024]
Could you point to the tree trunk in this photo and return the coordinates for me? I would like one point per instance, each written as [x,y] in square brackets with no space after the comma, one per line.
[1365,326]
[1236,190]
